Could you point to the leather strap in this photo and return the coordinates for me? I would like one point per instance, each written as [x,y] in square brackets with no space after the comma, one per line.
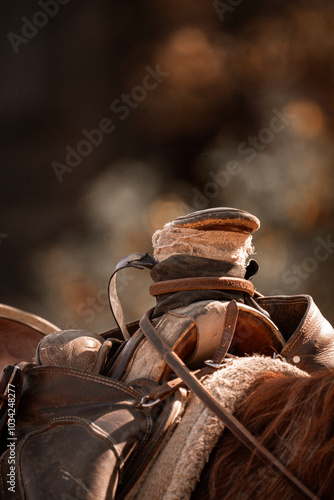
[230,324]
[139,261]
[225,416]
[163,391]
[207,283]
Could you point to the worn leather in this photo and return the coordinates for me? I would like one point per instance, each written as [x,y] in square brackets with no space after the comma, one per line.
[194,333]
[189,266]
[208,283]
[77,349]
[254,333]
[140,359]
[75,432]
[309,336]
[295,329]
[224,218]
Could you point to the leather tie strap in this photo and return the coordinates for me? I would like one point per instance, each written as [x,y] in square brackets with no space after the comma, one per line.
[207,283]
[230,323]
[212,403]
[138,261]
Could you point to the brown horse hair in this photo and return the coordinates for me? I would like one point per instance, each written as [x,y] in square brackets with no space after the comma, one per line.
[294,418]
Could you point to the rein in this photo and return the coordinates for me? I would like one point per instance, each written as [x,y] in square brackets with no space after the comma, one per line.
[211,402]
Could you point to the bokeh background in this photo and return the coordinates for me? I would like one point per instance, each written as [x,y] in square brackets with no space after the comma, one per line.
[237,110]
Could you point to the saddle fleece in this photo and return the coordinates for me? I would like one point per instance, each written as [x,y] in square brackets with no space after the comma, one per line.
[174,473]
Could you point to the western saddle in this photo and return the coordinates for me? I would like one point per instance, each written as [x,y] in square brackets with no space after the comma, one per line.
[91,411]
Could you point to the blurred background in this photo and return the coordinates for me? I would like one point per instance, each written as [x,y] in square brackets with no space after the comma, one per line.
[116,117]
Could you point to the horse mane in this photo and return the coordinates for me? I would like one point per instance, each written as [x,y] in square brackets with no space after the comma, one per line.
[294,418]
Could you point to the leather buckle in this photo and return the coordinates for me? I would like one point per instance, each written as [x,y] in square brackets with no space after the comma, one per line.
[145,402]
[223,364]
[279,356]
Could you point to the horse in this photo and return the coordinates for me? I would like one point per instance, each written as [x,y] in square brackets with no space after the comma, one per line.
[293,418]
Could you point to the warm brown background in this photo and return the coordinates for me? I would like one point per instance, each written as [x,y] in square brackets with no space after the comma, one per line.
[228,74]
